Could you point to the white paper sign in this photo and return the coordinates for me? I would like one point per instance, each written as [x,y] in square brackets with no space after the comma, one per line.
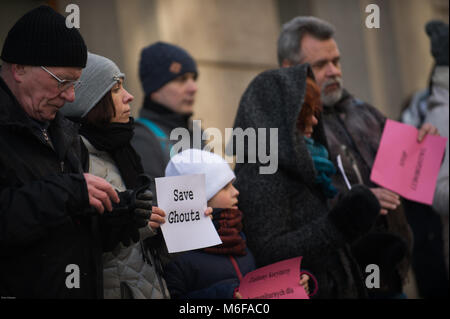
[341,168]
[183,199]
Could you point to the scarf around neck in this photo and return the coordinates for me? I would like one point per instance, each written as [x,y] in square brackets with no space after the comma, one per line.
[228,223]
[324,167]
[114,138]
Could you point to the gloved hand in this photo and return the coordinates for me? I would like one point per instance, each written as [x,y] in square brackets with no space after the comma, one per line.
[355,213]
[132,213]
[143,203]
[384,249]
[438,33]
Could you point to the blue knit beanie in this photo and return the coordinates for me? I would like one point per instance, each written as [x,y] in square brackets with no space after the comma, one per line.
[161,63]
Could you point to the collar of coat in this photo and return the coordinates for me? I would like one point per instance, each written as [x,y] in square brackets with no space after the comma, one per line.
[163,116]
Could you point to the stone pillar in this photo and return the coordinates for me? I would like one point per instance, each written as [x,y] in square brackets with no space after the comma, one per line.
[119,30]
[383,66]
[232,42]
[347,17]
[413,45]
[10,12]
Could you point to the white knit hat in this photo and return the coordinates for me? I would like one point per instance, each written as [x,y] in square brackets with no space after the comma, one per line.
[194,161]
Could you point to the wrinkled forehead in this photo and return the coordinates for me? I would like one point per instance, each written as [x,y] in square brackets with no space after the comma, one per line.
[314,50]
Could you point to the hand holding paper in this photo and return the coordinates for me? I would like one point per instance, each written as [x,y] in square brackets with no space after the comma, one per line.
[187,225]
[388,200]
[275,281]
[304,283]
[405,166]
[426,129]
[157,218]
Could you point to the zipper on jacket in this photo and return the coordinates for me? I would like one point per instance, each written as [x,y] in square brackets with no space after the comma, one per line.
[44,132]
[47,139]
[62,166]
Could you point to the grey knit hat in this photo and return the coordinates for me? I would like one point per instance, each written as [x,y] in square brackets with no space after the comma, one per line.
[99,76]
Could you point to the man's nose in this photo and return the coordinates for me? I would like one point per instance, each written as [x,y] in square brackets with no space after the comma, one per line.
[192,86]
[333,70]
[69,94]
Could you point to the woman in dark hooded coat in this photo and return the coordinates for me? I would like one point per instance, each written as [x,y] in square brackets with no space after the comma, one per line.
[286,212]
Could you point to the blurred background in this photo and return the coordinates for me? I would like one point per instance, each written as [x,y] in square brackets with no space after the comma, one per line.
[234,40]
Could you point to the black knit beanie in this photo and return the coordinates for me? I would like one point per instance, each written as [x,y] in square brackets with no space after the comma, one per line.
[161,63]
[41,37]
[438,33]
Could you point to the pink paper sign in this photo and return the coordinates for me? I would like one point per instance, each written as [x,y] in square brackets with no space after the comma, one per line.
[405,166]
[275,281]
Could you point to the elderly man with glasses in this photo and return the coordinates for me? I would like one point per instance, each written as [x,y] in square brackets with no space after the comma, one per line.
[50,234]
[63,85]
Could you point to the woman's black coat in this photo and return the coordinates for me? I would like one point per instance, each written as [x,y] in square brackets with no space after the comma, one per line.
[286,213]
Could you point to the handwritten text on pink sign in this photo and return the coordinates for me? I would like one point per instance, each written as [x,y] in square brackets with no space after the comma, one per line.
[275,281]
[406,166]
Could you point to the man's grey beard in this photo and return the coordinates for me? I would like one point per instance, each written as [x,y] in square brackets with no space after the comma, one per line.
[331,98]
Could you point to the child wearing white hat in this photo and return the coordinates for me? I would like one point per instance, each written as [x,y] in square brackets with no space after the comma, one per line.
[213,272]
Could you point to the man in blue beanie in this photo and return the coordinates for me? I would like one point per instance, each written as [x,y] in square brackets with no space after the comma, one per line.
[168,76]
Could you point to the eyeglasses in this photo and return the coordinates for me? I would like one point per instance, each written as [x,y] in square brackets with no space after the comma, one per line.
[63,85]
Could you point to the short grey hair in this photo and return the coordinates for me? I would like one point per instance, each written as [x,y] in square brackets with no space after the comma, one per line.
[293,32]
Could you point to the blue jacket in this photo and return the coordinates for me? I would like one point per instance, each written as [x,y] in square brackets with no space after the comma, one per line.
[200,275]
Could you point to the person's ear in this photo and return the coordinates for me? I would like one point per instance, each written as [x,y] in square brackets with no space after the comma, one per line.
[286,63]
[18,72]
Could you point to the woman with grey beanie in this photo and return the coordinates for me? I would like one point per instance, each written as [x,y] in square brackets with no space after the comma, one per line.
[130,270]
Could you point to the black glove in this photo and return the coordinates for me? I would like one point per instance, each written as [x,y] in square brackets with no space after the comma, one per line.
[384,249]
[355,213]
[130,214]
[143,203]
[438,33]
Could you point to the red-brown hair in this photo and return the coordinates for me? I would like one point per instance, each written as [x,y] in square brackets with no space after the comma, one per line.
[311,105]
